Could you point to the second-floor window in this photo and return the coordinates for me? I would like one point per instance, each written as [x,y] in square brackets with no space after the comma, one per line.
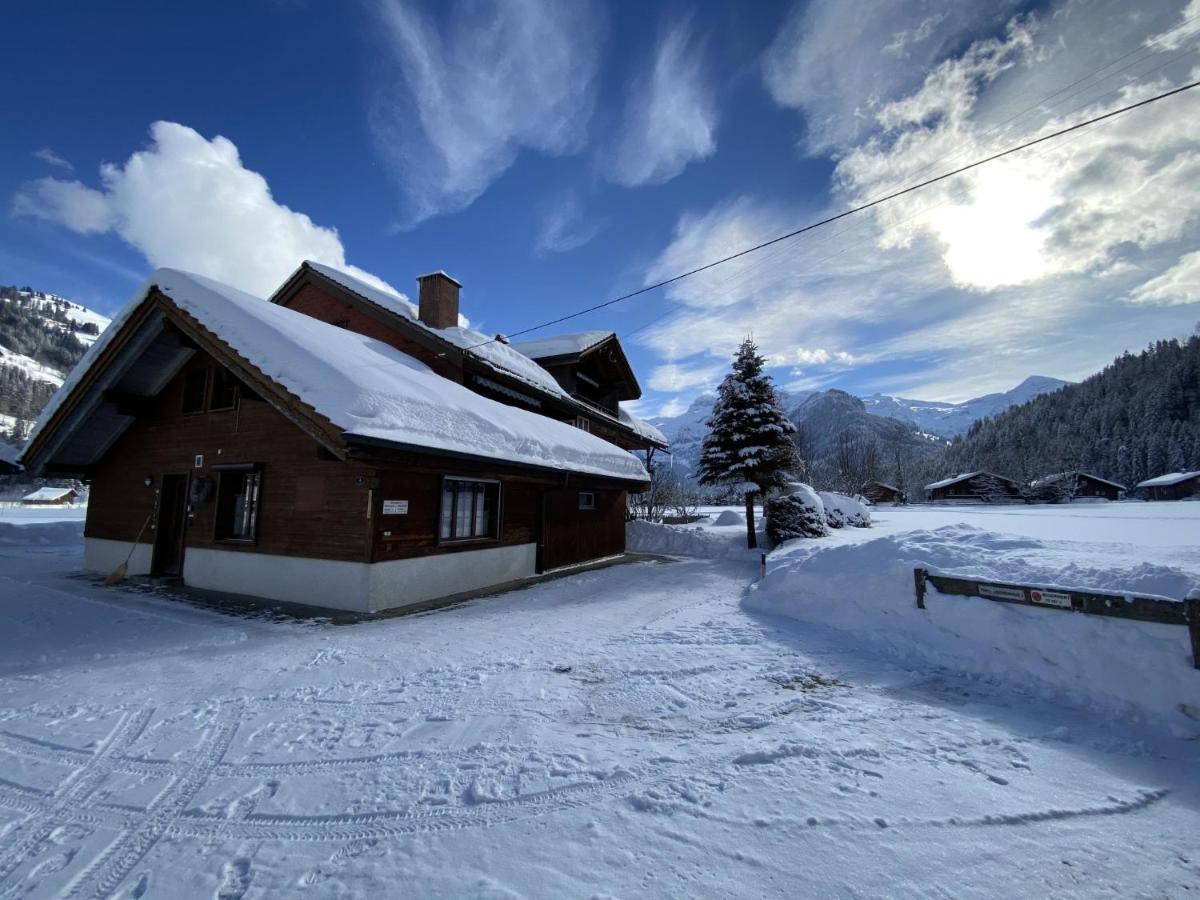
[582,422]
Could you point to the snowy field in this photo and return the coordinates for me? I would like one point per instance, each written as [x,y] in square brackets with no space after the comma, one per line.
[643,730]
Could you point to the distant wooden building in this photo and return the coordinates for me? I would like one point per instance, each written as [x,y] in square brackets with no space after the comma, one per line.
[1074,486]
[976,487]
[338,446]
[1173,486]
[51,496]
[879,492]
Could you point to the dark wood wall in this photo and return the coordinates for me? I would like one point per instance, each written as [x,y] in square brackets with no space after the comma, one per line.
[311,503]
[315,505]
[574,535]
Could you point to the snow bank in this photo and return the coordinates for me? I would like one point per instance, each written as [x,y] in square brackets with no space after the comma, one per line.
[687,540]
[40,534]
[729,517]
[842,510]
[1134,668]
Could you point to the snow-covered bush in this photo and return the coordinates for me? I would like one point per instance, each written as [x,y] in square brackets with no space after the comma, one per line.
[842,510]
[729,517]
[799,513]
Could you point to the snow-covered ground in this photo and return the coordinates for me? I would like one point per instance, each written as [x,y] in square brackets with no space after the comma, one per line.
[635,731]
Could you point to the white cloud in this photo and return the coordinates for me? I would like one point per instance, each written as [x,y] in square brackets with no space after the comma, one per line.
[1177,286]
[673,407]
[1181,34]
[670,115]
[48,156]
[671,377]
[818,62]
[463,100]
[564,226]
[972,285]
[189,202]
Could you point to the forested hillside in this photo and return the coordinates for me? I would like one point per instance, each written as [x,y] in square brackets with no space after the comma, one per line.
[42,336]
[1138,418]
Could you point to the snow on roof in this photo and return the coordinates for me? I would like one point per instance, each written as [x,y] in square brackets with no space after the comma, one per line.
[1062,476]
[48,493]
[561,344]
[477,344]
[368,388]
[640,426]
[1168,479]
[884,484]
[946,482]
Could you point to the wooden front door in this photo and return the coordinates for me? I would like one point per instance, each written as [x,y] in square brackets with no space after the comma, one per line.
[172,523]
[571,534]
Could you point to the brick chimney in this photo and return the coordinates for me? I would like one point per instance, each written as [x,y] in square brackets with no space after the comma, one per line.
[438,299]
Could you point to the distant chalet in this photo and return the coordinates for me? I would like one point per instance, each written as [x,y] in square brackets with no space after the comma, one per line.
[879,492]
[51,496]
[975,487]
[1074,486]
[338,446]
[1173,486]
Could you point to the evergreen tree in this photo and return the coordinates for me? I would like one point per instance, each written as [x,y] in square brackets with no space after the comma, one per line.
[749,435]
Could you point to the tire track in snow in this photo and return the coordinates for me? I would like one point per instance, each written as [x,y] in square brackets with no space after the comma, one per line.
[72,795]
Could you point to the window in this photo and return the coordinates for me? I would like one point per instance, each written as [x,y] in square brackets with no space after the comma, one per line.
[238,498]
[195,386]
[582,423]
[470,510]
[224,390]
[587,500]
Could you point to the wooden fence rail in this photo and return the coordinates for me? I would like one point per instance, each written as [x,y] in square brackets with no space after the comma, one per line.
[1092,603]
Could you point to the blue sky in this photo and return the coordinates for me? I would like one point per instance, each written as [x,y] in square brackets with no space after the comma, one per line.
[553,155]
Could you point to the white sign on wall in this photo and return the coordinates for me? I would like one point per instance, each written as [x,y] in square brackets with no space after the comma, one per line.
[395,507]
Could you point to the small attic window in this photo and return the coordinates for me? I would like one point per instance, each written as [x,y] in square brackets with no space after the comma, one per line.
[195,386]
[224,390]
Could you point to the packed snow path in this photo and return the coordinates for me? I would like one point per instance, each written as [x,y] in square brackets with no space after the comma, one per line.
[152,749]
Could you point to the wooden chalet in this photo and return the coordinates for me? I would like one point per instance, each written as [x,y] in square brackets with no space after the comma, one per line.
[51,496]
[975,487]
[1172,486]
[1074,486]
[879,492]
[335,447]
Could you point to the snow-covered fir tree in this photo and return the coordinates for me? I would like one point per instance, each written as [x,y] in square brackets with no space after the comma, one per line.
[749,435]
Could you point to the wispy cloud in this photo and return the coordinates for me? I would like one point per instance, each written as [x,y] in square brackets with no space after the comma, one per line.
[189,202]
[48,156]
[463,98]
[816,62]
[1008,264]
[670,117]
[565,225]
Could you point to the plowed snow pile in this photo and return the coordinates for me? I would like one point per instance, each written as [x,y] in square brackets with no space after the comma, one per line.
[1136,668]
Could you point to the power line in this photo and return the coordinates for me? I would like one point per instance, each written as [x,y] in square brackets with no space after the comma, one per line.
[856,209]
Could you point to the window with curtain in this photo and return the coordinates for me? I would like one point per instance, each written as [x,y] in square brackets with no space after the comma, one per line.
[238,500]
[470,510]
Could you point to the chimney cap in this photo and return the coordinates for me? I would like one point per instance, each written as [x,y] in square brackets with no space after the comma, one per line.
[443,273]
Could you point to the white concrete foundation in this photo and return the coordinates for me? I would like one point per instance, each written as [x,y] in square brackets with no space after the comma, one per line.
[102,556]
[291,579]
[356,587]
[402,582]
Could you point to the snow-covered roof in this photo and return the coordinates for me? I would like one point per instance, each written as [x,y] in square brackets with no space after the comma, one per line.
[1168,479]
[640,426]
[561,344]
[1063,476]
[48,494]
[946,482]
[368,388]
[475,343]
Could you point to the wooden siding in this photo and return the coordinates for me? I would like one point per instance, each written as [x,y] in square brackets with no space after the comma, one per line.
[573,535]
[293,519]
